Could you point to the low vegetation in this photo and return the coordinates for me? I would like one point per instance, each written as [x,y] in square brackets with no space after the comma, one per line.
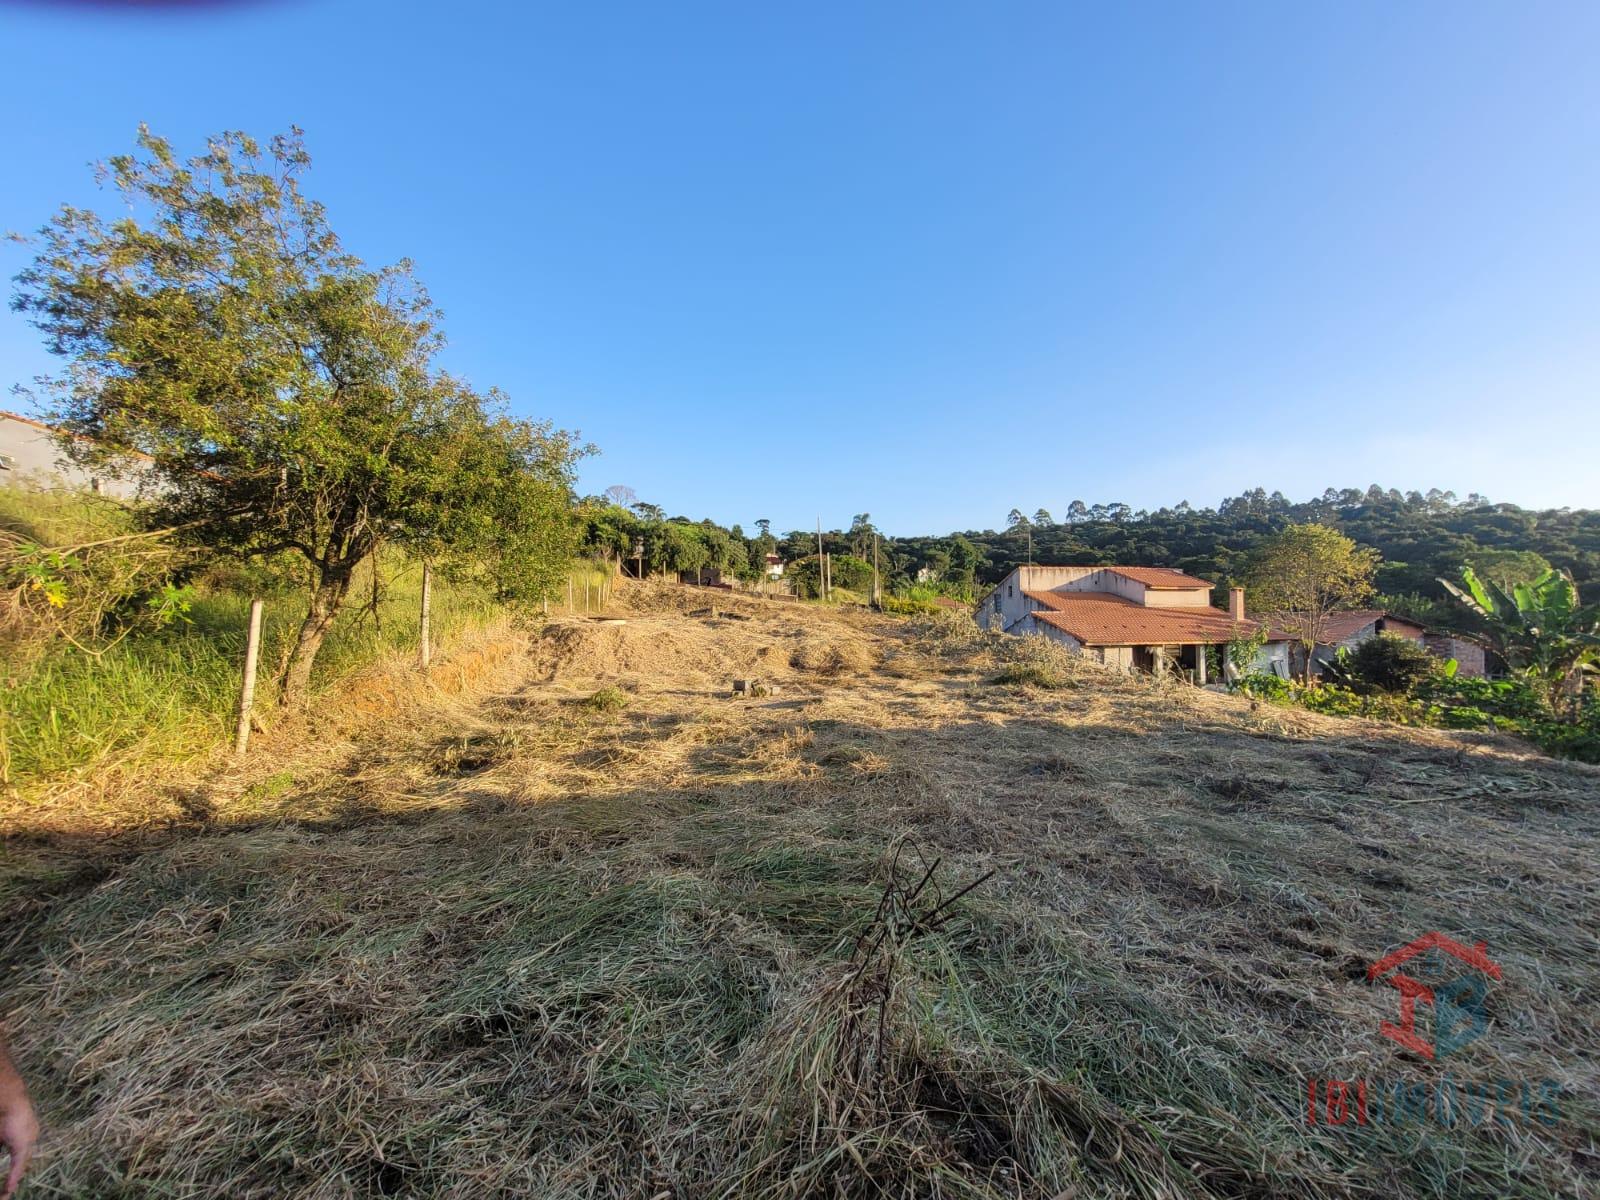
[894,932]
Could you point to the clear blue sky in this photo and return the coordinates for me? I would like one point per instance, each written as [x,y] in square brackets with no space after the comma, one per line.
[929,261]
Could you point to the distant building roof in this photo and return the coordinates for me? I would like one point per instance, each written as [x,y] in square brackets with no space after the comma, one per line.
[1159,578]
[947,602]
[1101,619]
[1351,621]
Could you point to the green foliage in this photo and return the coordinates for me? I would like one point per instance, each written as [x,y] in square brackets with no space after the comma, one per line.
[1447,701]
[74,567]
[1243,646]
[171,692]
[607,700]
[1305,572]
[910,606]
[1539,628]
[285,392]
[1386,663]
[846,572]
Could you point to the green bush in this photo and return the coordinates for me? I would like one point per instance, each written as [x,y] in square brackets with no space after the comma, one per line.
[1263,686]
[907,606]
[1448,702]
[608,700]
[1387,663]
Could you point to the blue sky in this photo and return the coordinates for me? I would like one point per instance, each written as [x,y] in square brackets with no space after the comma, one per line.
[930,261]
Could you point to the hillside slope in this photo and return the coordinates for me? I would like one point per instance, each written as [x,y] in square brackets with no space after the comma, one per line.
[663,942]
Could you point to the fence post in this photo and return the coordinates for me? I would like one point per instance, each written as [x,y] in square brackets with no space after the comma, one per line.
[425,644]
[247,688]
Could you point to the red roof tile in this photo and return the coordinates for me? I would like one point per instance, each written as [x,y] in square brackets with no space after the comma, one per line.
[1349,622]
[1101,619]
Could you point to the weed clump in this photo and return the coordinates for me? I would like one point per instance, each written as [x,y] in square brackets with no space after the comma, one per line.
[1031,675]
[607,700]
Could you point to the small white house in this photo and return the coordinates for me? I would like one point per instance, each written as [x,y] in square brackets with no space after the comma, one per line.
[30,453]
[1129,618]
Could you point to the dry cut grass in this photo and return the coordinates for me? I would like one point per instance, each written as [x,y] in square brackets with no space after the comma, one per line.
[686,945]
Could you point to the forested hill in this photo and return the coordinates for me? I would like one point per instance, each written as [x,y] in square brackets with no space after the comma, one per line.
[1419,536]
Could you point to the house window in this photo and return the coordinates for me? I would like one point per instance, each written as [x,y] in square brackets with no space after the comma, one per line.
[1010,591]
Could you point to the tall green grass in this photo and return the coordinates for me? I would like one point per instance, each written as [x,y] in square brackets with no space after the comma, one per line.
[173,692]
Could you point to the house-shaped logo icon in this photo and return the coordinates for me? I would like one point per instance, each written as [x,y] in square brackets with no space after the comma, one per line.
[1459,1014]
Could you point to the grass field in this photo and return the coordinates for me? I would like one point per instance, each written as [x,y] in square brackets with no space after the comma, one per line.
[522,940]
[173,693]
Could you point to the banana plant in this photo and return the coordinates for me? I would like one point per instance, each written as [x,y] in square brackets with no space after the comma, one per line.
[1539,628]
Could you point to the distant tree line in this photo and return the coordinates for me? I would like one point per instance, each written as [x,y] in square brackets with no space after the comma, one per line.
[1418,536]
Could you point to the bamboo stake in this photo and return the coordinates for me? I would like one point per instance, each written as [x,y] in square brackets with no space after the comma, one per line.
[247,687]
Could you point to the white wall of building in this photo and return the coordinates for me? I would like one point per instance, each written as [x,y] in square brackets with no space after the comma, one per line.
[1177,597]
[30,456]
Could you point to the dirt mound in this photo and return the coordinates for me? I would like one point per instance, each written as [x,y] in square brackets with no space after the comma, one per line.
[663,650]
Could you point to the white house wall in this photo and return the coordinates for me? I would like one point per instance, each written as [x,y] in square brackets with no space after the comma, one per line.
[1177,597]
[32,457]
[1107,581]
[1003,607]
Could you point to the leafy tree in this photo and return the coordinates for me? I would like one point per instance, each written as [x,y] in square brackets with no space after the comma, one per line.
[1304,573]
[1539,628]
[862,533]
[965,560]
[845,571]
[1077,511]
[1016,519]
[1043,518]
[285,392]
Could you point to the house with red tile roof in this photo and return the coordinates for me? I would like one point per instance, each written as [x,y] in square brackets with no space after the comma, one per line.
[1129,618]
[1348,628]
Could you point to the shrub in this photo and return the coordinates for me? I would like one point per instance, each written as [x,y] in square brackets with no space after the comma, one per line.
[909,606]
[1386,663]
[608,700]
[1263,686]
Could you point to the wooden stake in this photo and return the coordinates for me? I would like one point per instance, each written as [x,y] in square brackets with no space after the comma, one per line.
[569,591]
[247,688]
[424,633]
[822,572]
[877,598]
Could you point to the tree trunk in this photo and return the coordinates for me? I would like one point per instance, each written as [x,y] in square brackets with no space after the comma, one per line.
[326,601]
